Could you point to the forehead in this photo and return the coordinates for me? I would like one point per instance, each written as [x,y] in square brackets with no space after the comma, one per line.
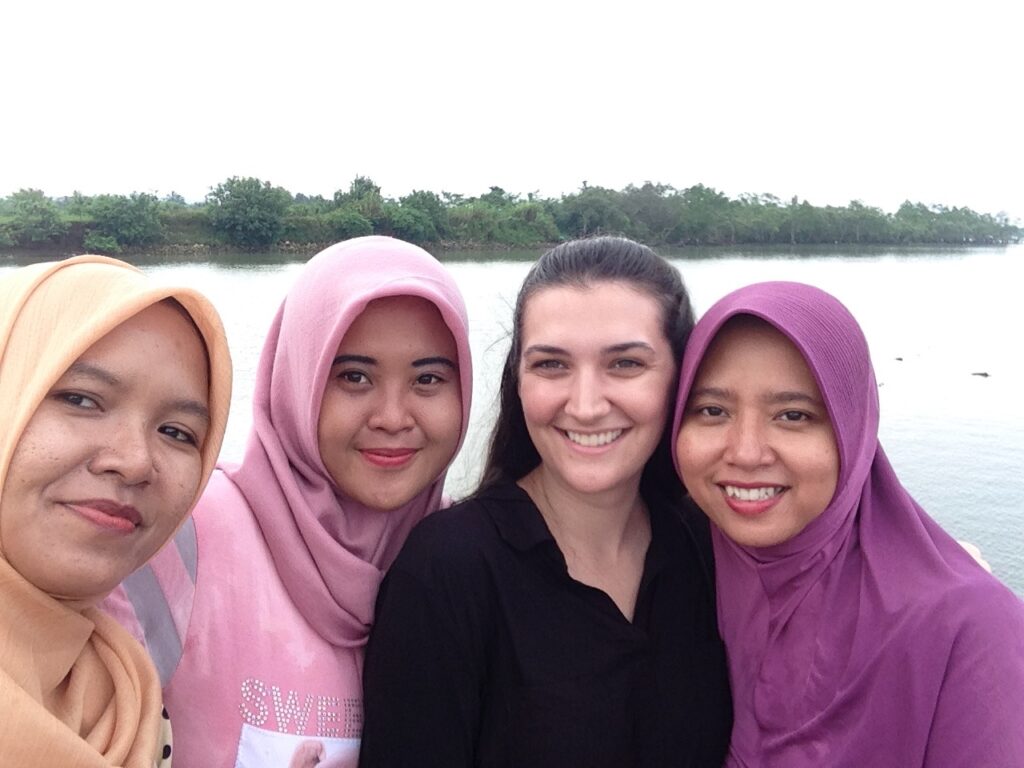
[756,354]
[605,311]
[159,351]
[411,320]
[164,326]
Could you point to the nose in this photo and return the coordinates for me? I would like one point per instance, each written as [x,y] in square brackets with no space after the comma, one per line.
[126,451]
[587,399]
[747,444]
[392,413]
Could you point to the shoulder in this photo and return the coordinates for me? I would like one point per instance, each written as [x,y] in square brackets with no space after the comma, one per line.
[976,619]
[983,609]
[466,539]
[220,497]
[684,529]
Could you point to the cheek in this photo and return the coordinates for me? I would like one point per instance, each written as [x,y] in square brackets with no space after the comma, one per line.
[540,403]
[687,453]
[339,420]
[829,471]
[441,420]
[182,486]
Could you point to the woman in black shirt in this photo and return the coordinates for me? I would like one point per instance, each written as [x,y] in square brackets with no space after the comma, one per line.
[564,615]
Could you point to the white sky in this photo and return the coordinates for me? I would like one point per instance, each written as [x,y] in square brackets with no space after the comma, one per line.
[877,101]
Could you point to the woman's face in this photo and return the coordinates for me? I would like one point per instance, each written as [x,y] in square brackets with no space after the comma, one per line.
[756,448]
[110,462]
[391,414]
[595,377]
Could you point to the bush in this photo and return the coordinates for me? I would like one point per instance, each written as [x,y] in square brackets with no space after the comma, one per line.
[33,218]
[128,221]
[96,242]
[248,212]
[473,223]
[526,224]
[305,228]
[410,224]
[187,226]
[344,223]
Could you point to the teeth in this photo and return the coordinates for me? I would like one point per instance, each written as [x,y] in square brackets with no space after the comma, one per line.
[594,440]
[752,494]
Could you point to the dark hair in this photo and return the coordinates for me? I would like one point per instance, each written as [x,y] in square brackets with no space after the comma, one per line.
[582,263]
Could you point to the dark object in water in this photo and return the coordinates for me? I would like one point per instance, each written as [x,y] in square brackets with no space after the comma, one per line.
[983,374]
[900,359]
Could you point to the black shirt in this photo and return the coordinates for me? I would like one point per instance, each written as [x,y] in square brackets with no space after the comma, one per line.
[486,652]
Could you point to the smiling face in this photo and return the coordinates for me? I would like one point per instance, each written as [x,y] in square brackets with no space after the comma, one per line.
[111,461]
[756,448]
[391,414]
[595,377]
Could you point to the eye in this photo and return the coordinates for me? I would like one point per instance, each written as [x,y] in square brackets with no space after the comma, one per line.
[547,365]
[794,416]
[178,434]
[627,367]
[712,411]
[77,400]
[352,378]
[429,379]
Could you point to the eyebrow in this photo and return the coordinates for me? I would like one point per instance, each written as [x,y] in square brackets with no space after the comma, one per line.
[88,370]
[424,361]
[192,406]
[366,360]
[93,372]
[354,359]
[626,346]
[775,398]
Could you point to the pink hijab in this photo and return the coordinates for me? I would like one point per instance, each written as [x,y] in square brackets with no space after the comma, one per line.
[330,551]
[871,638]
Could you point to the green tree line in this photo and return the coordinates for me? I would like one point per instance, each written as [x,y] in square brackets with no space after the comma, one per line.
[254,214]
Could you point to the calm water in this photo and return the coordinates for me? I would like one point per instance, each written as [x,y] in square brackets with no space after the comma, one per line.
[933,319]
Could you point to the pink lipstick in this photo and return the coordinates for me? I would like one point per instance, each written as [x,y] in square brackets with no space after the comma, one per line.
[388,458]
[108,514]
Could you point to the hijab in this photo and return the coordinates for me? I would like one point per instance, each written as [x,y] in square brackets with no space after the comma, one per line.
[330,551]
[838,638]
[75,689]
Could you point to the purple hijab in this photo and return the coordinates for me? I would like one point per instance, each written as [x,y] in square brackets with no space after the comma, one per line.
[871,638]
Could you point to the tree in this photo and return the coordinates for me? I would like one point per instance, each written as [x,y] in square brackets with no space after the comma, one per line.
[248,212]
[364,196]
[345,223]
[591,211]
[129,221]
[409,223]
[430,204]
[34,218]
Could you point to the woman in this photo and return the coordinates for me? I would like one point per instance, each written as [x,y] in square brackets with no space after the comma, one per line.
[563,616]
[858,632]
[258,617]
[115,395]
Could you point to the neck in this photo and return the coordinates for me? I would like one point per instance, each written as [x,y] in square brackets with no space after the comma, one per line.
[605,522]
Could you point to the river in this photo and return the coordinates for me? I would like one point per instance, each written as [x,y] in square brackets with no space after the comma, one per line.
[942,326]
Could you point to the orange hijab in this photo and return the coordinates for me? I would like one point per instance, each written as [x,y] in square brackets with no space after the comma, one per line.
[75,689]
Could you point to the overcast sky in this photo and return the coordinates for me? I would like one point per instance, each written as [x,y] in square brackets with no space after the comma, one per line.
[876,101]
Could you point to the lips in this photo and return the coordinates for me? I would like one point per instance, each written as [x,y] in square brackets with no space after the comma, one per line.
[388,458]
[108,514]
[593,439]
[751,500]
